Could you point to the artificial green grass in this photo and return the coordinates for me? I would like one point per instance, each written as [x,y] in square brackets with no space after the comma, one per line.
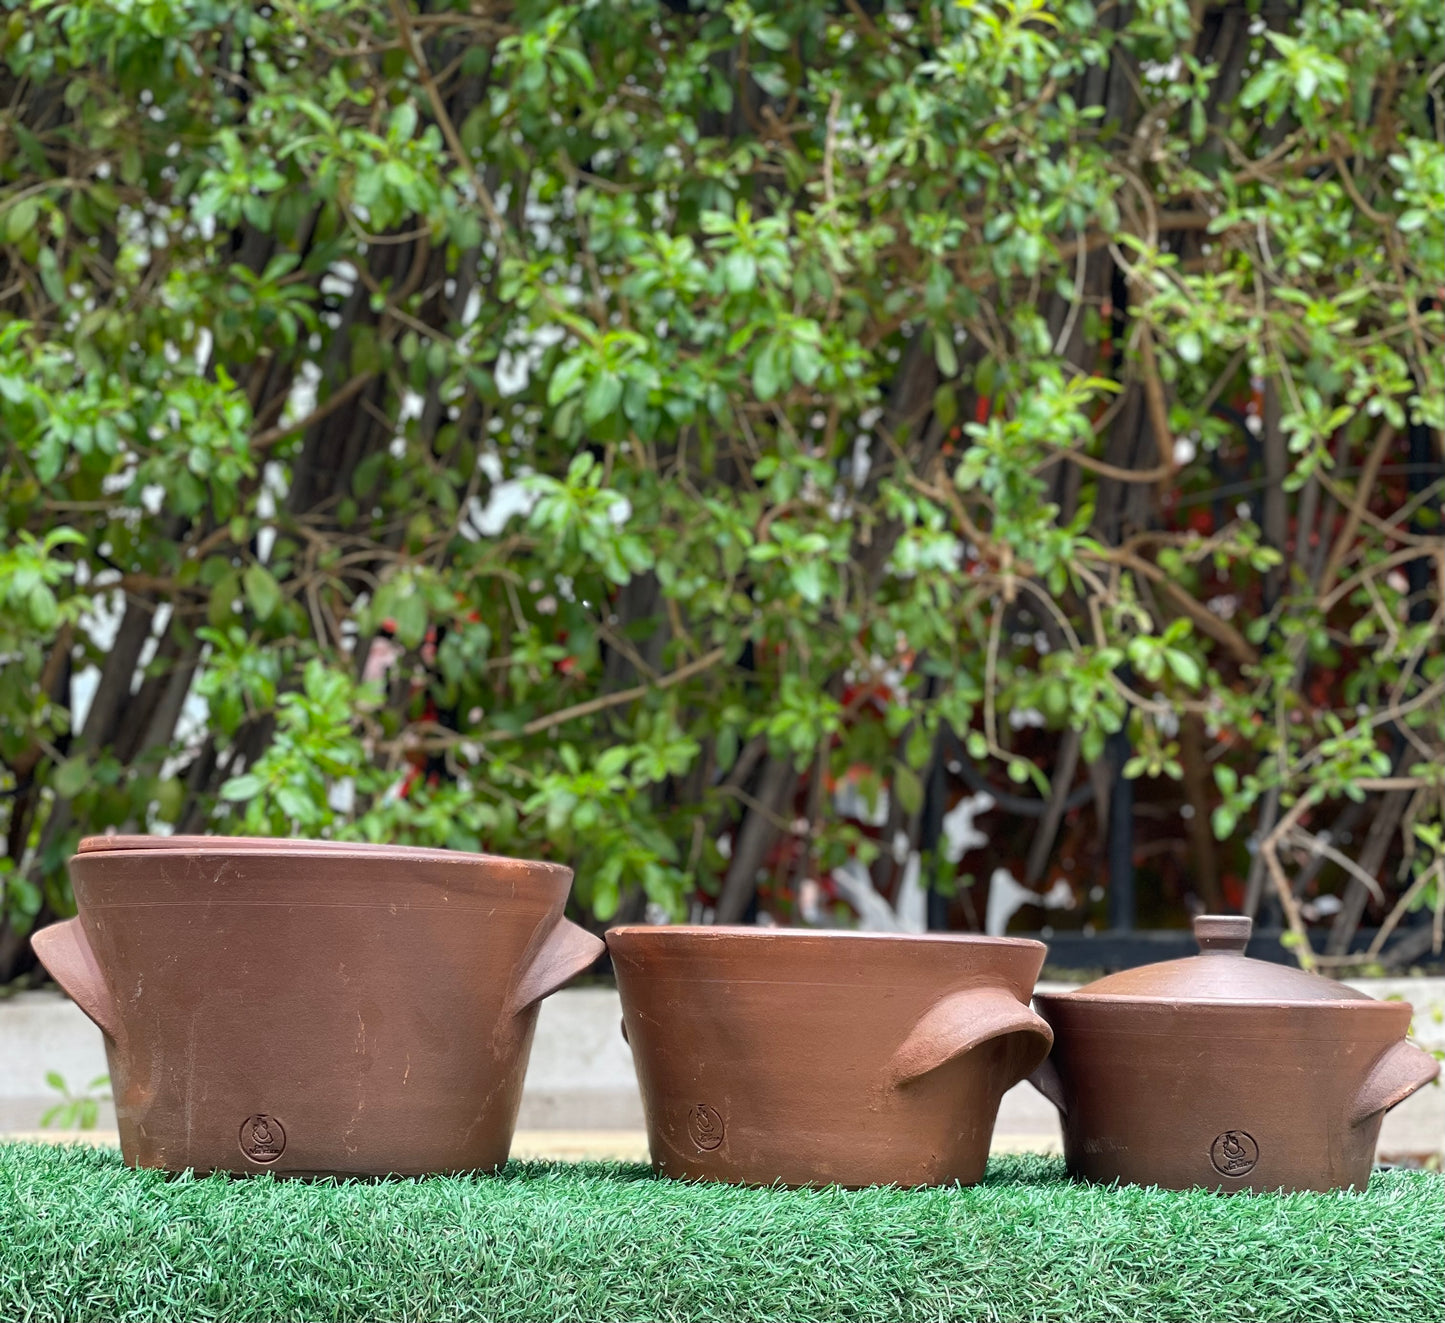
[82,1237]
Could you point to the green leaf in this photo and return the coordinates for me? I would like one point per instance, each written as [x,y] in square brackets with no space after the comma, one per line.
[727,748]
[577,64]
[807,363]
[1260,86]
[20,218]
[613,760]
[768,372]
[566,379]
[466,230]
[1190,347]
[71,777]
[170,798]
[807,580]
[1054,700]
[403,122]
[985,377]
[50,276]
[410,617]
[294,804]
[246,786]
[218,608]
[262,592]
[945,406]
[44,610]
[945,354]
[1223,821]
[602,398]
[919,748]
[364,476]
[740,271]
[1184,666]
[605,898]
[908,786]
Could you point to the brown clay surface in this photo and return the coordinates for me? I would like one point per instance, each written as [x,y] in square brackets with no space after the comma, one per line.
[313,1007]
[804,1058]
[1226,1073]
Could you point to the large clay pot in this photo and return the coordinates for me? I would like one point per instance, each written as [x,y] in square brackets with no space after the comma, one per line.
[1222,1072]
[313,1007]
[770,1055]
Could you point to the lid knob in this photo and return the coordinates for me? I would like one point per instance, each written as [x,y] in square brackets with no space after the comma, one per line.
[1228,933]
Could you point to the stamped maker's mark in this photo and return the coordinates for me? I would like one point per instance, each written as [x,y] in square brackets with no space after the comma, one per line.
[705,1127]
[263,1139]
[1234,1153]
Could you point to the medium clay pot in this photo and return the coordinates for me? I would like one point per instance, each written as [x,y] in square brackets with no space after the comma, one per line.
[1222,1072]
[313,1007]
[775,1056]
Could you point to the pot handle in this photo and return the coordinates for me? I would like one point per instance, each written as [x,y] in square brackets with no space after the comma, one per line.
[65,951]
[963,1021]
[1047,1081]
[1395,1076]
[566,952]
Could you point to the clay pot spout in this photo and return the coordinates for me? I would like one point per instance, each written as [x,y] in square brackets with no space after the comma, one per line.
[1398,1073]
[64,950]
[963,1021]
[565,953]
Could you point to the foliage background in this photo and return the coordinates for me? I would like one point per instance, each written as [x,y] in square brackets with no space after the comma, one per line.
[922,397]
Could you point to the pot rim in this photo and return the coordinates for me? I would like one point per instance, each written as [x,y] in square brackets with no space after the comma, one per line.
[276,847]
[728,931]
[1371,1004]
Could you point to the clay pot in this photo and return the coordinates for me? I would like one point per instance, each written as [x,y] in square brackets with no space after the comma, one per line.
[313,1007]
[1223,1072]
[770,1055]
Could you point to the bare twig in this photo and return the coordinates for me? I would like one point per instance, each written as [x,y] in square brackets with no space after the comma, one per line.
[1316,846]
[830,142]
[604,701]
[264,440]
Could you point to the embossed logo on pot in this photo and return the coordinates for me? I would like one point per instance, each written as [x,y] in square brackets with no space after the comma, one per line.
[262,1138]
[1234,1153]
[705,1127]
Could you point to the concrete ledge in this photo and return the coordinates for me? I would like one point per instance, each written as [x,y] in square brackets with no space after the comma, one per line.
[533,1145]
[580,1078]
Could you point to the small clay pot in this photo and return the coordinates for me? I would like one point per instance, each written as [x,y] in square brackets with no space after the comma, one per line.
[1227,1073]
[770,1055]
[313,1007]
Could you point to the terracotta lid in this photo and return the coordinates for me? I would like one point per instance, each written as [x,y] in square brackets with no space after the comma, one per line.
[1220,972]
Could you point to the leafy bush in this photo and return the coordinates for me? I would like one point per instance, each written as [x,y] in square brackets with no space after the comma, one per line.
[597,430]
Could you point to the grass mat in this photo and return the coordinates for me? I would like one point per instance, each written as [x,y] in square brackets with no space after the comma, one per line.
[82,1237]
